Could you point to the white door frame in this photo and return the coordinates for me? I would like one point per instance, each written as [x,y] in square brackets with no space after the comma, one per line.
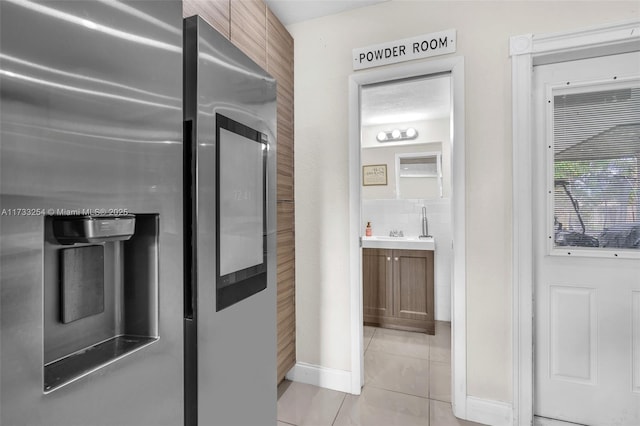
[454,65]
[526,51]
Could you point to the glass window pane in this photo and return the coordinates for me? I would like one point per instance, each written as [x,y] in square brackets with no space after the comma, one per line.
[419,166]
[596,147]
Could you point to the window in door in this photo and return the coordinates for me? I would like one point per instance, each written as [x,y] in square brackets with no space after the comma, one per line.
[594,173]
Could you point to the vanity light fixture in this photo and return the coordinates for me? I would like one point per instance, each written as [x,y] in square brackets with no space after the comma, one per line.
[397,135]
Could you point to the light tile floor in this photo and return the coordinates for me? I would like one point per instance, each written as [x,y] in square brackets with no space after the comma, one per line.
[407,383]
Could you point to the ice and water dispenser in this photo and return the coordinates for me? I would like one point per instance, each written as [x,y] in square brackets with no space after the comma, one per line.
[100,292]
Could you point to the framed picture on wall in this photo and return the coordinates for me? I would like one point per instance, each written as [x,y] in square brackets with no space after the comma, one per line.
[374,174]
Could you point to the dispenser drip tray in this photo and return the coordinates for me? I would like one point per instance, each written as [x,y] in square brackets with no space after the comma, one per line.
[83,362]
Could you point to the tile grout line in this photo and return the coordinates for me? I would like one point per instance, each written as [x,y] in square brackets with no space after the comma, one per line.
[429,380]
[440,400]
[427,399]
[396,391]
[371,339]
[340,408]
[402,355]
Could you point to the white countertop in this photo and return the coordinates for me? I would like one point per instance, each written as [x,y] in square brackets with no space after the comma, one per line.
[406,243]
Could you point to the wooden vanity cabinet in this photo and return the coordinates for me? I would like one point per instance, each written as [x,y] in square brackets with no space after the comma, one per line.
[398,289]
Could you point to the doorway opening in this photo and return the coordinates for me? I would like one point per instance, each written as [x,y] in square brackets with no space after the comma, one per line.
[406,152]
[413,202]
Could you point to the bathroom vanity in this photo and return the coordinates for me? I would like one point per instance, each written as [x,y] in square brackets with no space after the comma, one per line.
[398,284]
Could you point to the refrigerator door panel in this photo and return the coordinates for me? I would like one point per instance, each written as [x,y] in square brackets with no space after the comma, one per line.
[91,123]
[236,346]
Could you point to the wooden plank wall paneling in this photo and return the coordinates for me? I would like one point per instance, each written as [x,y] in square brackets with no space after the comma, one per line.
[286,289]
[249,29]
[215,12]
[251,26]
[280,65]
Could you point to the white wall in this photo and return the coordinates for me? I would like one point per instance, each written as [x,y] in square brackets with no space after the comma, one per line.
[322,66]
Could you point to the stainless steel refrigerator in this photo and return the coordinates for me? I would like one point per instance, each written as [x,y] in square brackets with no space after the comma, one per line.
[230,239]
[91,225]
[137,272]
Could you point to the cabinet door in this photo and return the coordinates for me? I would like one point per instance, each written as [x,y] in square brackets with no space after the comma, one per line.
[215,12]
[413,284]
[248,29]
[280,65]
[376,282]
[286,289]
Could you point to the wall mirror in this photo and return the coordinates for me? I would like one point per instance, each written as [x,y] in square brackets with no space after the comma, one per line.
[406,125]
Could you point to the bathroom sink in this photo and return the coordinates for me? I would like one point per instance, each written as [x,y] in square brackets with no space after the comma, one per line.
[407,243]
[385,238]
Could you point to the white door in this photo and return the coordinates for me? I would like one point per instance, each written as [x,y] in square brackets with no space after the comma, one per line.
[586,189]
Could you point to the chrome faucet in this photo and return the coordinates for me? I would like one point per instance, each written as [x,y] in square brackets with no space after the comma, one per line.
[425,224]
[396,233]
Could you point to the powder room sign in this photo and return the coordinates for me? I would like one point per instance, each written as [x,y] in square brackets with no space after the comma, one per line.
[407,49]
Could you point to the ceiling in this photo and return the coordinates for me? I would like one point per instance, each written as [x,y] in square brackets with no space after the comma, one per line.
[426,98]
[294,11]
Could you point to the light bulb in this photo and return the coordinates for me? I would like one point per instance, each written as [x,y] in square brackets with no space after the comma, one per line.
[395,134]
[411,132]
[382,136]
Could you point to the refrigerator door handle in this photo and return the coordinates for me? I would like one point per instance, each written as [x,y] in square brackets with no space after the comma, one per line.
[189,220]
[189,283]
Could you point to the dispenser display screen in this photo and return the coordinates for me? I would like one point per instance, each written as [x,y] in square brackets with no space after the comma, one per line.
[241,206]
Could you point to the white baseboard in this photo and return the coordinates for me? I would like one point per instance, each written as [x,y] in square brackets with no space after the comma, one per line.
[323,377]
[494,413]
